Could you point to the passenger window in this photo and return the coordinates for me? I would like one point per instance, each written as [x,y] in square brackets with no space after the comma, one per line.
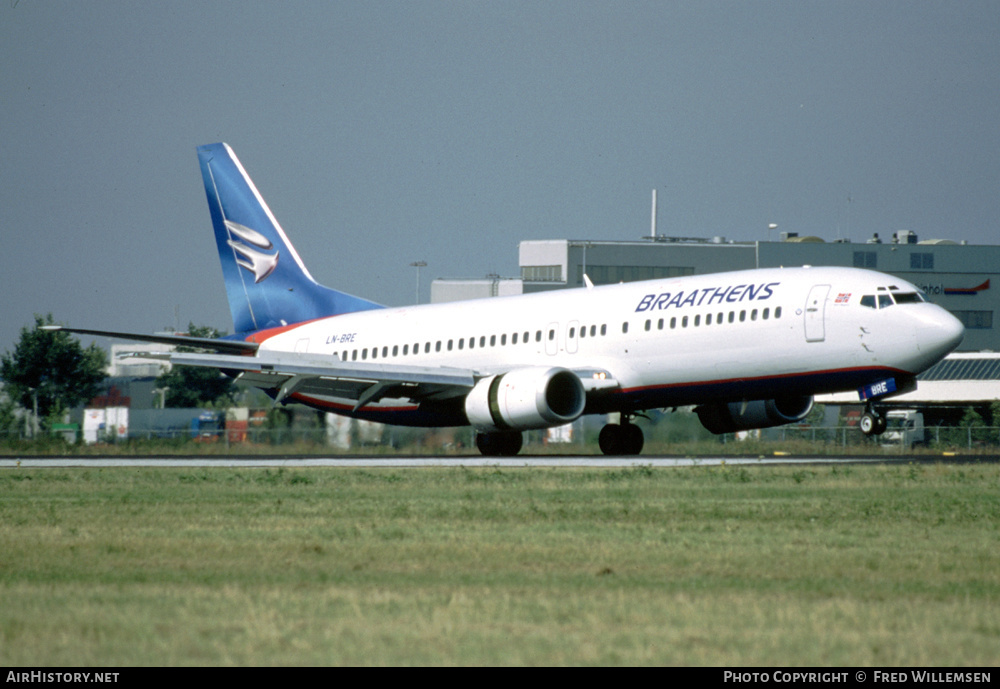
[450,343]
[743,316]
[766,314]
[437,346]
[493,340]
[625,327]
[604,329]
[649,325]
[777,312]
[593,330]
[406,349]
[753,315]
[427,348]
[513,339]
[659,324]
[538,336]
[673,322]
[684,322]
[395,350]
[503,339]
[697,320]
[732,316]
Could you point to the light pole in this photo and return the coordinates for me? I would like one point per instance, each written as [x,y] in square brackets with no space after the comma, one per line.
[418,265]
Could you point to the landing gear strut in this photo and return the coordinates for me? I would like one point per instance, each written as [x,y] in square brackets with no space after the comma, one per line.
[621,439]
[873,422]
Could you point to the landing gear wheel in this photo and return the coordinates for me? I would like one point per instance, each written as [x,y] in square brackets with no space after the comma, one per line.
[873,423]
[610,439]
[500,444]
[624,439]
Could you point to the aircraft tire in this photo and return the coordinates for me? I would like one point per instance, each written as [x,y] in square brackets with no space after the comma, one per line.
[610,439]
[634,439]
[623,439]
[873,424]
[503,444]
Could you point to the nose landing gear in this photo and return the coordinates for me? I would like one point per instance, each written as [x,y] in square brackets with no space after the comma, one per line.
[873,422]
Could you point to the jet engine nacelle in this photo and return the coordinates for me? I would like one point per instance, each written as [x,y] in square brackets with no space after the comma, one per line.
[740,416]
[535,397]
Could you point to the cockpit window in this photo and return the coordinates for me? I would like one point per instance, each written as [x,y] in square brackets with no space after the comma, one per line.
[908,297]
[884,299]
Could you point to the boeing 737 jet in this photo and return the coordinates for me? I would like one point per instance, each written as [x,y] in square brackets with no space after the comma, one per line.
[747,349]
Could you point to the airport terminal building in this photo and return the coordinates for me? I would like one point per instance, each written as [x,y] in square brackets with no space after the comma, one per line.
[957,276]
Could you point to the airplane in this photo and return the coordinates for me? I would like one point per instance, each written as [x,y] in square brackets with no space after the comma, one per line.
[747,349]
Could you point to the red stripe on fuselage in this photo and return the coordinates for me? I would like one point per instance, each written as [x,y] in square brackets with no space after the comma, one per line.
[261,336]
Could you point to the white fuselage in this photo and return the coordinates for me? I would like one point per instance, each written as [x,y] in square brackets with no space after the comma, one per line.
[678,341]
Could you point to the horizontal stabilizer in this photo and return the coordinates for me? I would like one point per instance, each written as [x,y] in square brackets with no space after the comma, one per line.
[221,346]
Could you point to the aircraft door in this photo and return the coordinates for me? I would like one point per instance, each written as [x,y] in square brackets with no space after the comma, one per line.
[551,339]
[815,312]
[571,336]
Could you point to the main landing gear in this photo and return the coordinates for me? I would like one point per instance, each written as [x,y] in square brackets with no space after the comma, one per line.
[621,439]
[499,444]
[873,422]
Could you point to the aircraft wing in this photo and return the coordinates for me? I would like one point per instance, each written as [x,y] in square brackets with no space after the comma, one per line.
[365,382]
[362,382]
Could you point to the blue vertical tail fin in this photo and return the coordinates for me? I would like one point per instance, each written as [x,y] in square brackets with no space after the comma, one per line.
[267,283]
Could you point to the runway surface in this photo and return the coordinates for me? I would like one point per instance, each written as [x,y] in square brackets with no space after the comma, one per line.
[445,461]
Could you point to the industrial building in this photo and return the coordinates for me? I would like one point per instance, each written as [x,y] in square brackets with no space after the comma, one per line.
[955,275]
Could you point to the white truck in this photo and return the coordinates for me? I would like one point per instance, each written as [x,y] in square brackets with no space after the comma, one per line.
[904,427]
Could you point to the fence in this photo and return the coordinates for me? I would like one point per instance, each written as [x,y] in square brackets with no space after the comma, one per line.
[939,437]
[823,438]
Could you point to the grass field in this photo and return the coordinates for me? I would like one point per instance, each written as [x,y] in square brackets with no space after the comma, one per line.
[844,565]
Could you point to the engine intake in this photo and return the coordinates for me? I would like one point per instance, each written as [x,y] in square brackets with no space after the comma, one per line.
[525,398]
[740,416]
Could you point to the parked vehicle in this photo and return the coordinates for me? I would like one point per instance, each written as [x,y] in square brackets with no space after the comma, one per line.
[904,427]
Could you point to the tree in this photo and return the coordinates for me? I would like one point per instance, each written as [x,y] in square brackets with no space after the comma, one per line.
[189,386]
[50,372]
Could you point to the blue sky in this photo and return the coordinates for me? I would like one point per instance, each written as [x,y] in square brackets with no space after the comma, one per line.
[383,133]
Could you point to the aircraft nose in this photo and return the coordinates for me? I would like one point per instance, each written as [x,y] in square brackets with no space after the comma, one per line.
[944,333]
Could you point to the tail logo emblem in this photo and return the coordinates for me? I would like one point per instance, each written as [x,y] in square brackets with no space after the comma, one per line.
[256,261]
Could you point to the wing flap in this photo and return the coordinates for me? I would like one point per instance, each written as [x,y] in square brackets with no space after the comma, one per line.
[364,383]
